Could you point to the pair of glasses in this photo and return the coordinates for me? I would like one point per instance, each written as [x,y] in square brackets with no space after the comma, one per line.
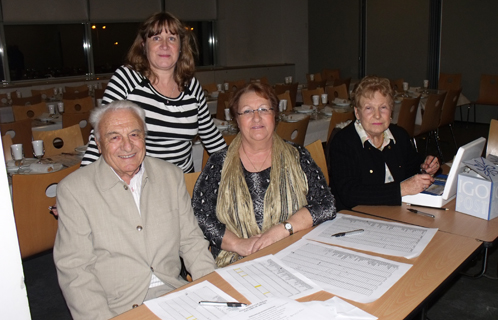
[249,112]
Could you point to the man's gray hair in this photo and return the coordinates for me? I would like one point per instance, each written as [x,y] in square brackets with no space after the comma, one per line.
[99,112]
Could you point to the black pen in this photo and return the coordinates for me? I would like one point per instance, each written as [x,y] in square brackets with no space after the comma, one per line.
[342,234]
[422,213]
[222,304]
[420,206]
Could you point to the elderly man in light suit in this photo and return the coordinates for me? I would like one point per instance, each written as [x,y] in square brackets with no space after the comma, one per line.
[124,222]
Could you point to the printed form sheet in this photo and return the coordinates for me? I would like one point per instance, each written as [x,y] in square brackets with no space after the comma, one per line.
[384,237]
[351,275]
[184,304]
[266,277]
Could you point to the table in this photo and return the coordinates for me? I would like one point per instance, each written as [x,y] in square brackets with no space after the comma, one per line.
[440,261]
[54,124]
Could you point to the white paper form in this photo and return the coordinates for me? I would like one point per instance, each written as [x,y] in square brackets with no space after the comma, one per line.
[184,304]
[384,237]
[266,277]
[351,275]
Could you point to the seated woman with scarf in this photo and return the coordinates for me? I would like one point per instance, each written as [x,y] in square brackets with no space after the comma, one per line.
[262,189]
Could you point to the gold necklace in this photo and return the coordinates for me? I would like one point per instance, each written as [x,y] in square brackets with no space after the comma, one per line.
[253,163]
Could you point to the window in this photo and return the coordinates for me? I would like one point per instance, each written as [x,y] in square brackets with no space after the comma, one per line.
[43,51]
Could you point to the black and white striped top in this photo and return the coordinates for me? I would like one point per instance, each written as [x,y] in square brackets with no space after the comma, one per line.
[171,123]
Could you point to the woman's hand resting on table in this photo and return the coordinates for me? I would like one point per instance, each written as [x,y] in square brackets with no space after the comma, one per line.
[272,235]
[243,247]
[416,184]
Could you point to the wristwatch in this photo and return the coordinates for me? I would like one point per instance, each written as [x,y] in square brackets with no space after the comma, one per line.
[288,227]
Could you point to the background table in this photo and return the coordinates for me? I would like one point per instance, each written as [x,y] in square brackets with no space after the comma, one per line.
[442,258]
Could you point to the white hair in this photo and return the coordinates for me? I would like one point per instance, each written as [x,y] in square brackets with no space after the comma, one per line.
[99,112]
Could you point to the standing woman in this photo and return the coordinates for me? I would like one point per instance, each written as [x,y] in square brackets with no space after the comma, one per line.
[159,77]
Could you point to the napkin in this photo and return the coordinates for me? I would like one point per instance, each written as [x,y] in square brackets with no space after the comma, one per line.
[44,167]
[340,101]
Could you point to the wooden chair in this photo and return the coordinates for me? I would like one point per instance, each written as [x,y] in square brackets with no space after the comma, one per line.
[81,119]
[448,112]
[397,85]
[291,87]
[75,95]
[209,87]
[205,156]
[492,147]
[338,117]
[449,81]
[76,89]
[26,101]
[98,94]
[340,92]
[190,180]
[222,104]
[408,114]
[20,132]
[235,85]
[46,94]
[78,105]
[29,112]
[6,143]
[331,74]
[59,141]
[32,194]
[317,153]
[316,77]
[312,85]
[307,94]
[430,120]
[488,93]
[293,131]
[286,96]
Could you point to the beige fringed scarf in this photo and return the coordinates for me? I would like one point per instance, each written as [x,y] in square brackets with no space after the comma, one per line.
[286,193]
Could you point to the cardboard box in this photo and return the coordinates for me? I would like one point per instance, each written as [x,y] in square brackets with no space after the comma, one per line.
[477,189]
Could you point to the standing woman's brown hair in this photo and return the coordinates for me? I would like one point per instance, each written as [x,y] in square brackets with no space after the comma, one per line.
[185,66]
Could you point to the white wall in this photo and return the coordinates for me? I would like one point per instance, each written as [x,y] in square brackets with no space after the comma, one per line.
[13,296]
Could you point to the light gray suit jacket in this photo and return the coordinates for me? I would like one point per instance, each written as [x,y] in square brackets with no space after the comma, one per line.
[105,251]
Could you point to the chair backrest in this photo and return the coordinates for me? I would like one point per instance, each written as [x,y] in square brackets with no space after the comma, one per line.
[331,74]
[338,117]
[20,132]
[317,153]
[222,104]
[235,85]
[492,147]
[46,94]
[190,180]
[78,105]
[209,87]
[397,84]
[312,85]
[488,89]
[76,89]
[316,76]
[340,92]
[75,95]
[307,94]
[59,141]
[32,194]
[205,156]
[432,112]
[448,81]
[449,107]
[81,119]
[293,131]
[408,114]
[29,112]
[26,101]
[286,96]
[291,87]
[98,94]
[6,143]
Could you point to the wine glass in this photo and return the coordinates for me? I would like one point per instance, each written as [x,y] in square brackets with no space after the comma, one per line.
[17,154]
[426,86]
[38,149]
[60,107]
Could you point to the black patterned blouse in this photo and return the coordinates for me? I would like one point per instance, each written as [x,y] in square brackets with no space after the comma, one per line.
[321,203]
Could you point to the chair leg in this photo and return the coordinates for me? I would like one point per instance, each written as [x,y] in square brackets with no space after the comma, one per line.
[427,143]
[441,158]
[453,134]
